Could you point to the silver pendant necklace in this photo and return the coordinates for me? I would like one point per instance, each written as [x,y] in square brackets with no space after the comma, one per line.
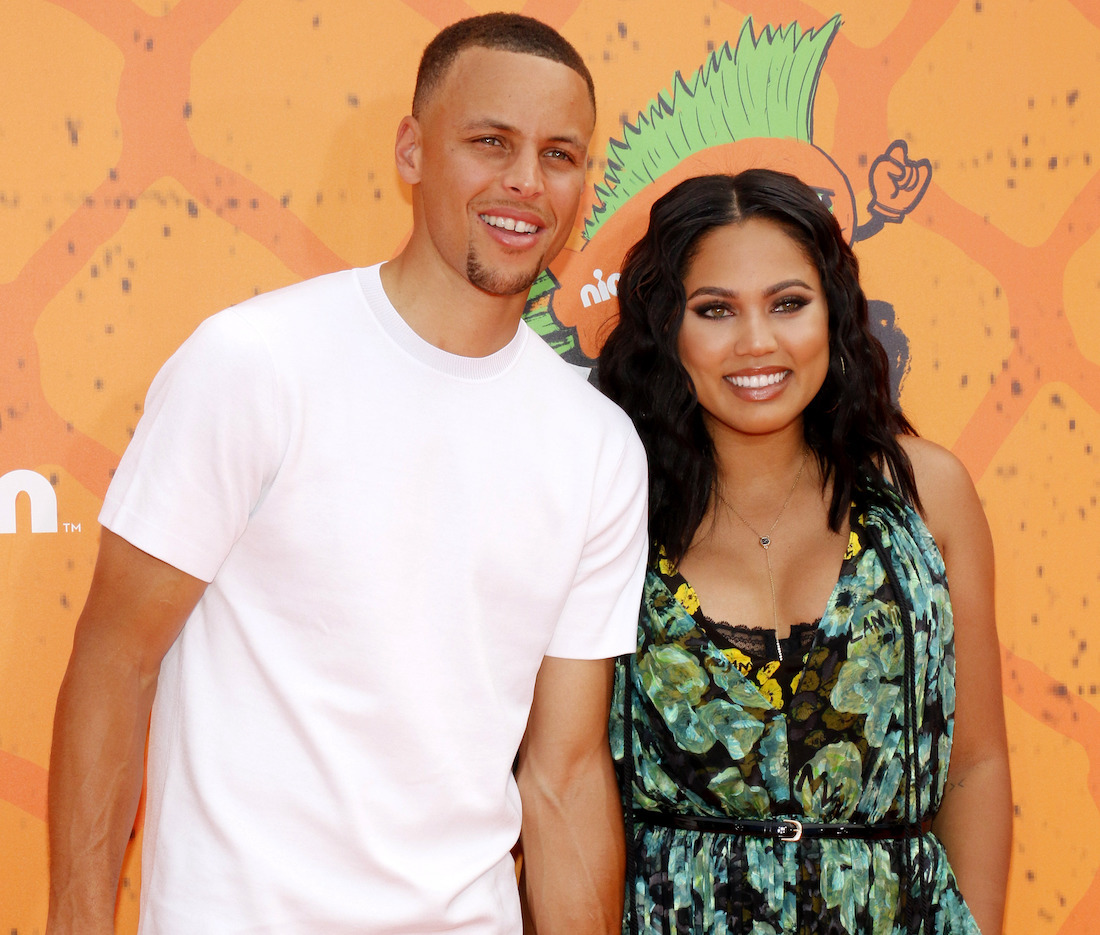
[765,543]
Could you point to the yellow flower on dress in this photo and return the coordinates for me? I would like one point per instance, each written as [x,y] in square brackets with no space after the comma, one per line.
[665,567]
[686,595]
[767,671]
[769,687]
[854,546]
[738,660]
[795,682]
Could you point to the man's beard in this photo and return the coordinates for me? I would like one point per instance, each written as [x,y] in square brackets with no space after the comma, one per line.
[496,283]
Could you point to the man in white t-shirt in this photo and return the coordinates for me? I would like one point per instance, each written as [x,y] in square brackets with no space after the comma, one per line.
[373,542]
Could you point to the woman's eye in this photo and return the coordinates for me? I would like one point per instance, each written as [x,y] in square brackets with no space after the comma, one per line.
[791,303]
[713,311]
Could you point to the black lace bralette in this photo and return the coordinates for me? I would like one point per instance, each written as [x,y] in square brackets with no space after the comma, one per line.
[758,643]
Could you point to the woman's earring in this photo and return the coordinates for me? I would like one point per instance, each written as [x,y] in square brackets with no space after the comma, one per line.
[843,368]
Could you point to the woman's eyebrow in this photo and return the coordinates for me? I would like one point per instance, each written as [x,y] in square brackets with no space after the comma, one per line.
[724,293]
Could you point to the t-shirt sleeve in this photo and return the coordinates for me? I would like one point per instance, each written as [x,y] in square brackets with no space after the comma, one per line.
[600,616]
[204,451]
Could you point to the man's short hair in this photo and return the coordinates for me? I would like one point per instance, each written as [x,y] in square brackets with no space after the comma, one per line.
[506,32]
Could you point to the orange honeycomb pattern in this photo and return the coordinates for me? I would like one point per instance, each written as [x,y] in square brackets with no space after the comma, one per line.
[165,158]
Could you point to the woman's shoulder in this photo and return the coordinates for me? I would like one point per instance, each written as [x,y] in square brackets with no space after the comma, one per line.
[934,467]
[946,490]
[936,463]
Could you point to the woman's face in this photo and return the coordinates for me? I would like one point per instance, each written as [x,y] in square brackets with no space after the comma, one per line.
[755,333]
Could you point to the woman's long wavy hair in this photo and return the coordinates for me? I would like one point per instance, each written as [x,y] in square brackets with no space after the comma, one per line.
[851,425]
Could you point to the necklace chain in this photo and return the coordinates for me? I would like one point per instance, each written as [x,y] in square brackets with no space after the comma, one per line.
[766,541]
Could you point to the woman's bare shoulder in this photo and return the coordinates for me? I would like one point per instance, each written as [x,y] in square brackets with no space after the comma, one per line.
[948,496]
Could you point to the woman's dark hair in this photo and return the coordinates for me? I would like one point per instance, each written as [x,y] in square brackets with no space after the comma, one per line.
[851,425]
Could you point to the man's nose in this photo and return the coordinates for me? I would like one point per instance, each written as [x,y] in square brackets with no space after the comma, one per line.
[524,173]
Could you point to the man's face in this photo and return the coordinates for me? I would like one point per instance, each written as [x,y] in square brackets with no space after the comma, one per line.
[501,165]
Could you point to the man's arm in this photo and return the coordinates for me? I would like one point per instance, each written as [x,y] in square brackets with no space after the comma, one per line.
[136,608]
[572,835]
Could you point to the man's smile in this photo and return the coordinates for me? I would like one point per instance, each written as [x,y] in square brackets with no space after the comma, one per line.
[509,224]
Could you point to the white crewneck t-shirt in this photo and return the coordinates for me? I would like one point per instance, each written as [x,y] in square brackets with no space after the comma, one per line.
[394,537]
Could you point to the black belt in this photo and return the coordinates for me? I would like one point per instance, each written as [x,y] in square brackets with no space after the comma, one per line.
[785,829]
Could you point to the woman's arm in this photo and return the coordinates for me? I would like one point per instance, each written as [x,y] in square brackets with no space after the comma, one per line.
[975,820]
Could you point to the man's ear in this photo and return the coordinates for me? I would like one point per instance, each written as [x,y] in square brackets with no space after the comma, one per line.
[407,151]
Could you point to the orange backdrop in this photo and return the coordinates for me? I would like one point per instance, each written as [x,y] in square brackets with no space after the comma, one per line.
[160,160]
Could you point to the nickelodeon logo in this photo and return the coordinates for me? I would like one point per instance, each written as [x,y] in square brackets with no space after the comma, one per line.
[42,497]
[599,291]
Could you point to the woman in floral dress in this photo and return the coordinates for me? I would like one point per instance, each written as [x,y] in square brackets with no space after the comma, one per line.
[816,738]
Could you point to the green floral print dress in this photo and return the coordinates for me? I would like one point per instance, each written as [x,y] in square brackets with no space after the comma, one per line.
[857,730]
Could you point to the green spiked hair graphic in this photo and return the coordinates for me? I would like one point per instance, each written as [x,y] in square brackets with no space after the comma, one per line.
[763,88]
[747,106]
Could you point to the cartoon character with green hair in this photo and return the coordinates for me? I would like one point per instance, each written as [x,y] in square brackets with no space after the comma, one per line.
[749,106]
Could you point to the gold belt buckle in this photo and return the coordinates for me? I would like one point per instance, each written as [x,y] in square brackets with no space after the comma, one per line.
[795,834]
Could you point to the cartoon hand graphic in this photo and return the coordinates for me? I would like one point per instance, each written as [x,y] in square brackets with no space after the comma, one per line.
[897,182]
